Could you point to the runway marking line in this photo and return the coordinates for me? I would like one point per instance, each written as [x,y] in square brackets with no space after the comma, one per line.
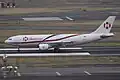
[87,73]
[58,73]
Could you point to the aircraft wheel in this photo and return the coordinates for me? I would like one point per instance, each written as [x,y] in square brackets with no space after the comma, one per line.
[56,50]
[18,49]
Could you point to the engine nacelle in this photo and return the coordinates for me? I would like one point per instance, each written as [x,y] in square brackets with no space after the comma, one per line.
[43,46]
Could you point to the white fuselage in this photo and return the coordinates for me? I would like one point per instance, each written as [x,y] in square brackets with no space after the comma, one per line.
[35,40]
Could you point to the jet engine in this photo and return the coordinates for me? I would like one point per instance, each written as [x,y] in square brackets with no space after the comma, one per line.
[43,46]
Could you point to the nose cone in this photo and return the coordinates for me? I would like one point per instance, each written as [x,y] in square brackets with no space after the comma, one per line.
[6,41]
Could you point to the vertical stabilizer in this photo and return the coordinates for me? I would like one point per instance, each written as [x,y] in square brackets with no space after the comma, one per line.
[106,26]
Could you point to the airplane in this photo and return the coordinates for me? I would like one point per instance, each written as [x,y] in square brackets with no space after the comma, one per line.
[55,41]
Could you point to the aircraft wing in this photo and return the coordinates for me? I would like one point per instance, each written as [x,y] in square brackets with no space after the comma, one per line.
[45,54]
[60,44]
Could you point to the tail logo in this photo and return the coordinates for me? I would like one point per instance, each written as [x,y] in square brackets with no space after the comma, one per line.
[107,25]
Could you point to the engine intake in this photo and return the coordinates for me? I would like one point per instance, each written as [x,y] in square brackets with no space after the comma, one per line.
[43,46]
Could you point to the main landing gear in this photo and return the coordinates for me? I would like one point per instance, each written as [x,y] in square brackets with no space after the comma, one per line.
[56,50]
[18,48]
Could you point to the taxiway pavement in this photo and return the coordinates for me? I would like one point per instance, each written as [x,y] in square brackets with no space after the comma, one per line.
[93,51]
[84,73]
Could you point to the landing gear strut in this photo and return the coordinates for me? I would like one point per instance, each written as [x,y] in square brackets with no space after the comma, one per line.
[18,48]
[56,50]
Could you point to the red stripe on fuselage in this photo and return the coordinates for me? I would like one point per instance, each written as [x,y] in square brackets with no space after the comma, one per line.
[61,38]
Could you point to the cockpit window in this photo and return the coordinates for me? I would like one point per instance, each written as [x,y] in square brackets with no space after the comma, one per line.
[10,39]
